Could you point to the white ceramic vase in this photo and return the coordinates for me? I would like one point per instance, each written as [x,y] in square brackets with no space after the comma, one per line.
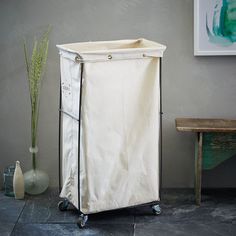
[18,182]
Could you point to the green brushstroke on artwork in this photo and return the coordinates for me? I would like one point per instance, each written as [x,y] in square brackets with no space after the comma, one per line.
[223,30]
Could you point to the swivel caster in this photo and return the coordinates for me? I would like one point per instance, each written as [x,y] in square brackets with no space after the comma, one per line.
[63,205]
[82,220]
[156,209]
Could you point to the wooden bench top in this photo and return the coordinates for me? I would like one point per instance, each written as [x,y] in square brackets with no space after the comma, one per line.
[205,125]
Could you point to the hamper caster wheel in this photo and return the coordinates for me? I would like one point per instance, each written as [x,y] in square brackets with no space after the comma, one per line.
[82,220]
[156,209]
[63,205]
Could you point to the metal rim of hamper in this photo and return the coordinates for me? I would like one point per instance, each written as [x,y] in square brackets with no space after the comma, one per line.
[63,205]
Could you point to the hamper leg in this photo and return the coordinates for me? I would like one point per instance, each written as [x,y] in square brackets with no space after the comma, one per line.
[82,220]
[63,205]
[156,209]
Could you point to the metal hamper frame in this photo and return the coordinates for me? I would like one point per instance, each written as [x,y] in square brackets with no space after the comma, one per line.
[63,205]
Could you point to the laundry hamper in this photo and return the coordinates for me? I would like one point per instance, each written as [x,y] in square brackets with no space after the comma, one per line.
[110,125]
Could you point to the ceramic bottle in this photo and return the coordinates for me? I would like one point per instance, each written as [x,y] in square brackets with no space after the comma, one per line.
[18,182]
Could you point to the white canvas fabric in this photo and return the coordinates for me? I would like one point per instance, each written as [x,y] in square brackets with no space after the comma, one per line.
[120,123]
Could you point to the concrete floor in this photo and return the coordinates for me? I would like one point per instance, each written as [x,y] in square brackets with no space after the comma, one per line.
[39,216]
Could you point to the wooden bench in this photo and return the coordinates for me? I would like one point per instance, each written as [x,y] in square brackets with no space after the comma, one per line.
[215,143]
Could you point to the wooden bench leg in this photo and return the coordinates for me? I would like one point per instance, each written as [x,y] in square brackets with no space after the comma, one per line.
[198,168]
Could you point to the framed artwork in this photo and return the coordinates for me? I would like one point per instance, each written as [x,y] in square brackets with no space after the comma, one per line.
[214,27]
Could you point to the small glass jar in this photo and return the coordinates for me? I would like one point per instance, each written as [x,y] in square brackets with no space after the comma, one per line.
[8,180]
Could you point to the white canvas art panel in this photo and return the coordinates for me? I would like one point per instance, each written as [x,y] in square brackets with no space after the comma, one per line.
[214,27]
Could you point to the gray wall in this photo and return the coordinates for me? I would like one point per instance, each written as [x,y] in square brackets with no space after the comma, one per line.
[193,87]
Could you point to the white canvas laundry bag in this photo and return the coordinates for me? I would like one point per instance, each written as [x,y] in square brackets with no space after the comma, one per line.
[110,123]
